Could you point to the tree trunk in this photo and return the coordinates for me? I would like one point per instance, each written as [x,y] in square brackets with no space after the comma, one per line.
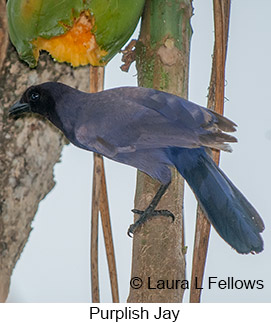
[29,149]
[162,63]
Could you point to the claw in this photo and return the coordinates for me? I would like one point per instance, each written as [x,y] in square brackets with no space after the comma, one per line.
[136,211]
[156,213]
[165,213]
[146,215]
[150,211]
[131,230]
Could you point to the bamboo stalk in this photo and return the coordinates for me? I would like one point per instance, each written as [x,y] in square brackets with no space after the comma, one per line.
[216,101]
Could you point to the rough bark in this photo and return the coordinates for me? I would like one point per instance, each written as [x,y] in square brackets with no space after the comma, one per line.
[29,149]
[162,63]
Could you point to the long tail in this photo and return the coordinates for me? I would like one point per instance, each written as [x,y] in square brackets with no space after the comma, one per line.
[233,217]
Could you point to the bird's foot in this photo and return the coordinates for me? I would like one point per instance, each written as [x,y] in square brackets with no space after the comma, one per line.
[146,215]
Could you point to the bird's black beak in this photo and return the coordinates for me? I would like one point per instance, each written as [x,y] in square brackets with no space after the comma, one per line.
[19,108]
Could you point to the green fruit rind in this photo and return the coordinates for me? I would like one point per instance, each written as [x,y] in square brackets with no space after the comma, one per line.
[115,21]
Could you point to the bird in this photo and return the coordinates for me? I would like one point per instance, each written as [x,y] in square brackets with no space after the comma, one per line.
[154,131]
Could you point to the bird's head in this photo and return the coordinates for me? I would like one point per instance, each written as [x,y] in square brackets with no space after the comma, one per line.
[36,99]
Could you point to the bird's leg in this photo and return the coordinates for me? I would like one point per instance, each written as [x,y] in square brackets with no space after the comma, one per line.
[150,211]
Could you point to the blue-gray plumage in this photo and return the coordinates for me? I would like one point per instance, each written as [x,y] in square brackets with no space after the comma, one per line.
[153,130]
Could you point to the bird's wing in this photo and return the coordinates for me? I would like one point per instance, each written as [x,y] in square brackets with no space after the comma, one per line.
[207,126]
[129,119]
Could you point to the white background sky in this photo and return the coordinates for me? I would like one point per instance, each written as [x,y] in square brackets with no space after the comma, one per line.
[54,266]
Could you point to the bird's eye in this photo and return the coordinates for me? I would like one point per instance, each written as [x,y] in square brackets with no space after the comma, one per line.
[34,96]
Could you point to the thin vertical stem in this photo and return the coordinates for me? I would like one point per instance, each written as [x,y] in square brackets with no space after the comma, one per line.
[96,84]
[100,202]
[104,208]
[96,190]
[215,99]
